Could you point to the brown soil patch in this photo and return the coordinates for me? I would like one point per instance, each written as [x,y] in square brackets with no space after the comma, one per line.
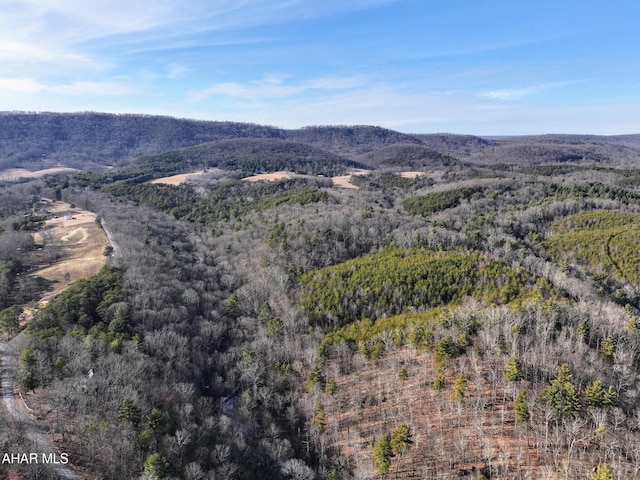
[344,181]
[72,247]
[412,174]
[451,439]
[15,174]
[270,177]
[177,179]
[341,181]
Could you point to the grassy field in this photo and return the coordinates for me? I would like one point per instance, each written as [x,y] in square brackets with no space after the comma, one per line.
[15,174]
[72,247]
[177,179]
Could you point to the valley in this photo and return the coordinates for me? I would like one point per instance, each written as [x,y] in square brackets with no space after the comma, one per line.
[324,303]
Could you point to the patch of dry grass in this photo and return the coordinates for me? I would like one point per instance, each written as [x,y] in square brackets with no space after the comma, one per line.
[344,181]
[78,242]
[177,179]
[271,177]
[412,174]
[15,174]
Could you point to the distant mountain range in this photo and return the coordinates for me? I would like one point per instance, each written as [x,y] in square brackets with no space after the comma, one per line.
[91,141]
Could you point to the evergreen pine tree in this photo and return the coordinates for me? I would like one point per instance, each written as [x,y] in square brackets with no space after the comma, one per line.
[562,395]
[521,408]
[513,370]
[459,388]
[382,454]
[603,472]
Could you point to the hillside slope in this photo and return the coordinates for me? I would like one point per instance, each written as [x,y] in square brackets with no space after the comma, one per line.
[478,319]
[90,141]
[350,141]
[85,140]
[249,155]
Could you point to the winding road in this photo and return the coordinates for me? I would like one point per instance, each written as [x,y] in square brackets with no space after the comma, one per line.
[39,443]
[116,254]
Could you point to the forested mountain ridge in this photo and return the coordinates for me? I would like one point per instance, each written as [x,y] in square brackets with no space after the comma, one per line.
[403,155]
[464,314]
[631,140]
[444,142]
[350,141]
[613,150]
[87,140]
[248,155]
[91,141]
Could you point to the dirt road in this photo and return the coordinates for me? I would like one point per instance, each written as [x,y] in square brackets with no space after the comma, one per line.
[16,409]
[116,254]
[39,444]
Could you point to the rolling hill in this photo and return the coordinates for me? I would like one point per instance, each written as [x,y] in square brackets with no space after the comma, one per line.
[476,318]
[91,141]
[249,155]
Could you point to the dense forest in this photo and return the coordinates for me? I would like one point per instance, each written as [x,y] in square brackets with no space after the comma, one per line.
[476,319]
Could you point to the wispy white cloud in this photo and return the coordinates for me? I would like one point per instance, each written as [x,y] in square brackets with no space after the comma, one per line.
[176,71]
[408,110]
[89,88]
[75,20]
[332,82]
[80,38]
[518,93]
[460,75]
[268,87]
[10,86]
[19,85]
[276,86]
[366,101]
[17,51]
[412,110]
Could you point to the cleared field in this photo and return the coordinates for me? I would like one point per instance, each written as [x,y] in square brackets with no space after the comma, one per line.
[341,181]
[344,181]
[273,176]
[177,179]
[72,247]
[15,174]
[412,174]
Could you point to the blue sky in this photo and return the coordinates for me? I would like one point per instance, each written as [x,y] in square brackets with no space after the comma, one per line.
[483,67]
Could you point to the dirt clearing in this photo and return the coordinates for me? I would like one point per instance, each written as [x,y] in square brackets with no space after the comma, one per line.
[15,174]
[271,177]
[71,247]
[412,174]
[177,179]
[344,181]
